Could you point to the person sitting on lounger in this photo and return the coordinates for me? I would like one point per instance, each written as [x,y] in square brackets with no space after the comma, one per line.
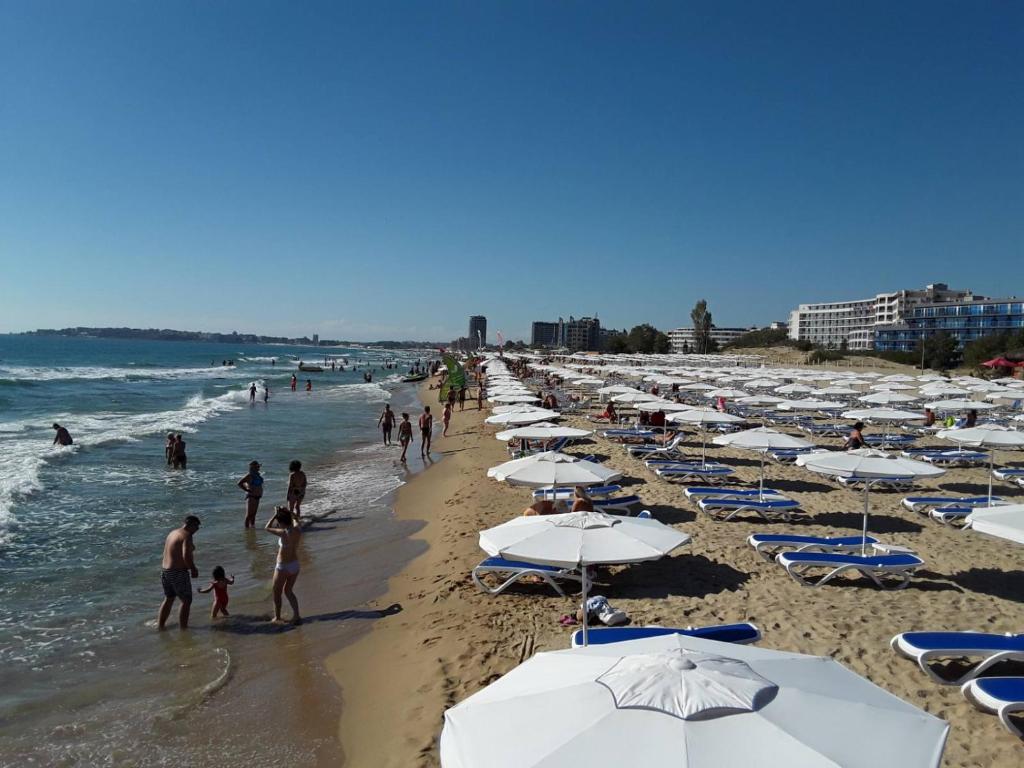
[929,417]
[856,438]
[540,507]
[581,501]
[972,418]
[609,413]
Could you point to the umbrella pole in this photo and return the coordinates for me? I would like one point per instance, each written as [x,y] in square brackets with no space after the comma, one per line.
[760,485]
[703,449]
[864,533]
[991,469]
[583,567]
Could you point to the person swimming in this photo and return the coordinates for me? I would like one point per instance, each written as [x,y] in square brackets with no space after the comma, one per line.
[63,437]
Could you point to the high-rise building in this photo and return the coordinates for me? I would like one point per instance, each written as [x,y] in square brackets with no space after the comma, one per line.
[580,335]
[684,340]
[831,324]
[478,330]
[965,320]
[543,334]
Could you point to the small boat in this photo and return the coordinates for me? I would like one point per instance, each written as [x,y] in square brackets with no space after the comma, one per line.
[415,377]
[311,368]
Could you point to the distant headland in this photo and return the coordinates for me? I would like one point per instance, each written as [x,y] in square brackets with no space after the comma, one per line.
[167,334]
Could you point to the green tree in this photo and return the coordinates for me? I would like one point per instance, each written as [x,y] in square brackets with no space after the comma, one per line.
[643,338]
[617,342]
[996,345]
[662,343]
[701,319]
[941,351]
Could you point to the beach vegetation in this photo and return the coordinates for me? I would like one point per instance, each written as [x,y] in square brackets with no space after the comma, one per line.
[700,316]
[1008,345]
[940,351]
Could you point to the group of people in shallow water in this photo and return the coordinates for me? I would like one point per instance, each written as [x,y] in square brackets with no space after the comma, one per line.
[178,566]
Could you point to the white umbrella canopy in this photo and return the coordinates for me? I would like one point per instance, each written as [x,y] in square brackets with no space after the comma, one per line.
[834,391]
[516,408]
[793,389]
[577,539]
[991,437]
[616,389]
[866,464]
[635,397]
[762,384]
[727,393]
[522,417]
[935,390]
[551,468]
[700,418]
[525,398]
[761,439]
[809,405]
[887,398]
[686,702]
[541,432]
[756,400]
[882,414]
[960,405]
[1006,522]
[891,387]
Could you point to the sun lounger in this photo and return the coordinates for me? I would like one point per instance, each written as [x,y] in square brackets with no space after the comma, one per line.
[669,449]
[889,442]
[879,483]
[566,492]
[924,504]
[954,458]
[824,430]
[788,455]
[1008,473]
[952,515]
[878,568]
[986,649]
[695,473]
[628,434]
[772,510]
[741,634]
[697,492]
[513,571]
[768,545]
[1002,696]
[614,504]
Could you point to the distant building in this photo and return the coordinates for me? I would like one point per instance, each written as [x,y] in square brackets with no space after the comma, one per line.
[966,320]
[684,340]
[831,324]
[478,330]
[543,334]
[582,335]
[316,339]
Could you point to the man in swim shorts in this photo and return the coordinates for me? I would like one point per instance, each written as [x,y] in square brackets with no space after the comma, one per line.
[386,422]
[178,568]
[426,430]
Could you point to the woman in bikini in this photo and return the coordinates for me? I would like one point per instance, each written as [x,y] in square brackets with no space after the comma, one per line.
[286,572]
[296,488]
[252,484]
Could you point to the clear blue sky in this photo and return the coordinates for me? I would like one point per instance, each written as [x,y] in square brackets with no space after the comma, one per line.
[386,169]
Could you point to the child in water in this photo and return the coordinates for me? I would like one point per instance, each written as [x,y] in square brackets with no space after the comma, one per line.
[219,585]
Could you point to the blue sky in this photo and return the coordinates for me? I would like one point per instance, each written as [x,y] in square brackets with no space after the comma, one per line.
[384,170]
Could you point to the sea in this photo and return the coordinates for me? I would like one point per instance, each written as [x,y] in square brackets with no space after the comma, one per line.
[85,678]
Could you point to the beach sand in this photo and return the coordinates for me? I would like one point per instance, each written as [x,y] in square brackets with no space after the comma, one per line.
[450,639]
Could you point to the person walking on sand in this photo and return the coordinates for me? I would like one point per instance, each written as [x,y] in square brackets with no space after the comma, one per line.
[63,437]
[286,572]
[451,397]
[252,484]
[219,583]
[386,422]
[179,459]
[426,430]
[462,398]
[177,570]
[404,434]
[295,382]
[296,488]
[446,418]
[252,393]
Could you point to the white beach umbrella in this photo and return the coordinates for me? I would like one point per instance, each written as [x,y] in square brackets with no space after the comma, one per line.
[700,419]
[793,389]
[835,391]
[686,702]
[516,408]
[579,539]
[760,400]
[1006,522]
[991,437]
[525,398]
[888,398]
[960,405]
[697,387]
[762,384]
[882,414]
[761,440]
[866,464]
[551,468]
[541,432]
[522,417]
[616,389]
[937,390]
[627,398]
[729,394]
[891,387]
[897,377]
[809,405]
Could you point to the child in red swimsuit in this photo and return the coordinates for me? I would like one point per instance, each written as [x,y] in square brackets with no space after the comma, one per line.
[219,585]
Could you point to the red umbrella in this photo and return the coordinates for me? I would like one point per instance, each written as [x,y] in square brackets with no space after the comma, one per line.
[1000,362]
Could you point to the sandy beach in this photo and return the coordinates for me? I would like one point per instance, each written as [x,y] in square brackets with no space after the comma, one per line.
[450,639]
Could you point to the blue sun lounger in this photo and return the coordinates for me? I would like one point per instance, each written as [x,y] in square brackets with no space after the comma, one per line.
[771,510]
[878,568]
[741,634]
[697,492]
[614,504]
[565,492]
[987,648]
[925,504]
[768,545]
[889,442]
[879,483]
[670,449]
[954,458]
[1002,696]
[513,570]
[695,473]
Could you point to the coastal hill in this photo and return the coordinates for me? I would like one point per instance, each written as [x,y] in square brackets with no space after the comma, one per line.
[167,334]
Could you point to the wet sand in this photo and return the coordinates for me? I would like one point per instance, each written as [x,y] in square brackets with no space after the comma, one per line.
[450,639]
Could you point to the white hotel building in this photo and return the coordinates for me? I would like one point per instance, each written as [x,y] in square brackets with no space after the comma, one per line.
[829,324]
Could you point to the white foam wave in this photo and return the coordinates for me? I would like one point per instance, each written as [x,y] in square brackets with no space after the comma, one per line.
[27,373]
[363,392]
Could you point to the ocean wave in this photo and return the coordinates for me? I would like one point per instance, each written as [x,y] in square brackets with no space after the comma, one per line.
[27,374]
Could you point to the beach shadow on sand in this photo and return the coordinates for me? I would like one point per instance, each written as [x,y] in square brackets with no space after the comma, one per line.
[877,523]
[670,515]
[1007,585]
[683,576]
[796,486]
[250,624]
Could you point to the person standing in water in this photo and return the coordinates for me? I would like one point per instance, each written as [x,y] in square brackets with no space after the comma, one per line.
[446,418]
[296,488]
[178,458]
[178,568]
[309,385]
[295,381]
[252,393]
[266,394]
[169,448]
[286,572]
[426,431]
[252,484]
[63,437]
[404,434]
[386,422]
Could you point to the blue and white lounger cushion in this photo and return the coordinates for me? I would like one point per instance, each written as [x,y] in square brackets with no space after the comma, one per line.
[697,492]
[1002,696]
[879,483]
[695,473]
[924,504]
[513,571]
[722,509]
[984,649]
[614,504]
[768,545]
[743,633]
[881,569]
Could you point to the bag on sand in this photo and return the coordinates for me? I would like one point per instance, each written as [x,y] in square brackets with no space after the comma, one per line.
[600,609]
